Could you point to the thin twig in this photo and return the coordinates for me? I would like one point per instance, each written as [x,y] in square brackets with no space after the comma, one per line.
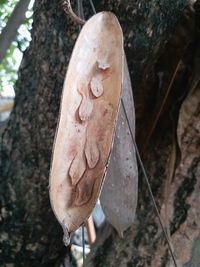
[68,9]
[160,109]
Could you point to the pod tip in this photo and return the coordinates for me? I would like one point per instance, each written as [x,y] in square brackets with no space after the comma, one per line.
[66,237]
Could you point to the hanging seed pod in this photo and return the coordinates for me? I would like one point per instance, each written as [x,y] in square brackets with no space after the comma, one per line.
[120,189]
[90,101]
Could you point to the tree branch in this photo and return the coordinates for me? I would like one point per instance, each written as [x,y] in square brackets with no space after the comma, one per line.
[10,30]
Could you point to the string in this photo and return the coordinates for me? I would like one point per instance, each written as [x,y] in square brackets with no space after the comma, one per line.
[144,172]
[83,245]
[92,6]
[80,10]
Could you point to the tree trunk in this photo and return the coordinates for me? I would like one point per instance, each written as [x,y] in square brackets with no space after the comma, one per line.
[29,233]
[10,31]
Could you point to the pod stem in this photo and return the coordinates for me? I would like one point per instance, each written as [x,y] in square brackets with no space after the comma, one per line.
[68,9]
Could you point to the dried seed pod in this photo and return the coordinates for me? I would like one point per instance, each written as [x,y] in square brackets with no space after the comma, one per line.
[120,189]
[87,121]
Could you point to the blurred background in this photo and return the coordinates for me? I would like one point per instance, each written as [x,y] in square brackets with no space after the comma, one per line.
[15,26]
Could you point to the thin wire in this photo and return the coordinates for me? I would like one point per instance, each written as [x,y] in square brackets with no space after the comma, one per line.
[80,9]
[93,7]
[148,185]
[83,245]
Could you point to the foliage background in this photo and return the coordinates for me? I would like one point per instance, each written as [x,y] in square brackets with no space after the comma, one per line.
[11,62]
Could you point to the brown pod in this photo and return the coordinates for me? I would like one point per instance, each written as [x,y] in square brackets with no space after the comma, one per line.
[120,189]
[89,107]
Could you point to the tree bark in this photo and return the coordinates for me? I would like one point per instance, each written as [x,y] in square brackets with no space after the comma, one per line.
[10,31]
[156,37]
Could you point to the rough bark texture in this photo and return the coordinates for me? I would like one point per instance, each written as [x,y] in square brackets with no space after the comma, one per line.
[29,234]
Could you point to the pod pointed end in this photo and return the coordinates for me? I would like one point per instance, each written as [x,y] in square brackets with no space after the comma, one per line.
[66,237]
